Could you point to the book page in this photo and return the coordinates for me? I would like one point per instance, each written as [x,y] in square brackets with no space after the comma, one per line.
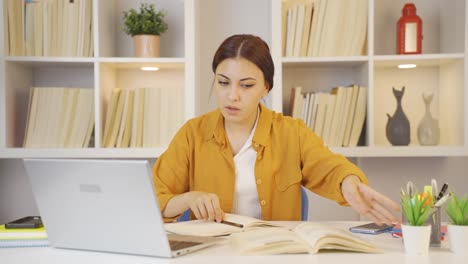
[248,222]
[212,228]
[31,117]
[123,121]
[349,122]
[359,117]
[71,113]
[201,228]
[110,115]
[328,119]
[128,123]
[269,241]
[321,113]
[90,117]
[321,236]
[344,116]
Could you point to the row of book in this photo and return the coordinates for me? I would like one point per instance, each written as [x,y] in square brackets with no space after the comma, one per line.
[324,27]
[337,117]
[50,28]
[59,117]
[23,237]
[142,118]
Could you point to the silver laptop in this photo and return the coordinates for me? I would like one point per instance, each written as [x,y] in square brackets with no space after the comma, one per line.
[104,205]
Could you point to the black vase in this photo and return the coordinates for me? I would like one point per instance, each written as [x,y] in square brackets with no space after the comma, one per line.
[398,126]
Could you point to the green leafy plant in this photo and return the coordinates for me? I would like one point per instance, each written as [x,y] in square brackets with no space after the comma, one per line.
[457,209]
[145,22]
[417,208]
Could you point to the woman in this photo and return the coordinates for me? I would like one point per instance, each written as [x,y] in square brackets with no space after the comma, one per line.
[246,159]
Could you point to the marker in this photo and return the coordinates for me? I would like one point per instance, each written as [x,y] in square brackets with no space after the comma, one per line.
[442,191]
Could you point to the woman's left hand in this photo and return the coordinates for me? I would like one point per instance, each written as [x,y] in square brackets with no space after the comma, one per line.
[369,202]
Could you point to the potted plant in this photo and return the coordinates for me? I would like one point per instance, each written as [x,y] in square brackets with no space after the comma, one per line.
[417,209]
[145,26]
[457,210]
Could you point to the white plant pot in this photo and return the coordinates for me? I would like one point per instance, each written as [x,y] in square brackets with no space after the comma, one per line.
[458,238]
[416,239]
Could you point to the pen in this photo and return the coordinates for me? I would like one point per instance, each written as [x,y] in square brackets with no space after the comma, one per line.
[232,224]
[442,191]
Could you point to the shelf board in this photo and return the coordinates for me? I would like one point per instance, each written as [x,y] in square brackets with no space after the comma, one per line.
[402,151]
[129,153]
[151,153]
[129,62]
[37,59]
[325,61]
[161,60]
[384,61]
[132,63]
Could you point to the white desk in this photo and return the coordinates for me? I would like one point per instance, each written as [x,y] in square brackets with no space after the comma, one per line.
[222,254]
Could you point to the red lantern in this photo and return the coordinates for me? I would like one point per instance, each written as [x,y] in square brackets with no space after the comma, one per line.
[409,36]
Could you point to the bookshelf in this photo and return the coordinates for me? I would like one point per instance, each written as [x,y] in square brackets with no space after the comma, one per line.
[441,69]
[112,65]
[195,33]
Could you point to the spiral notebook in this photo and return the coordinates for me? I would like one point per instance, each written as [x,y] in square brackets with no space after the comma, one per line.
[23,237]
[24,243]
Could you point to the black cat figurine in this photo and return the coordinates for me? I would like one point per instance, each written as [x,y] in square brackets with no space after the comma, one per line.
[398,126]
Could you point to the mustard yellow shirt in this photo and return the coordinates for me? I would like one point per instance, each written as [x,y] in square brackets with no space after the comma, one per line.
[289,155]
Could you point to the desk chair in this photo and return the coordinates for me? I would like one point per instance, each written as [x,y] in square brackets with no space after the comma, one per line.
[304,208]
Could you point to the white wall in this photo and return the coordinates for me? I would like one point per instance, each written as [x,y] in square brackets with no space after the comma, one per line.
[388,175]
[216,26]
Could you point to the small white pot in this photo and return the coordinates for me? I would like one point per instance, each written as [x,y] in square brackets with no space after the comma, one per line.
[458,238]
[416,239]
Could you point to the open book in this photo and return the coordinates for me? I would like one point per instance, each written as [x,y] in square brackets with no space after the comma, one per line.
[306,237]
[211,228]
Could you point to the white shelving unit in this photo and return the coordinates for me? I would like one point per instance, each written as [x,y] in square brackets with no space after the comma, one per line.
[441,69]
[197,27]
[111,66]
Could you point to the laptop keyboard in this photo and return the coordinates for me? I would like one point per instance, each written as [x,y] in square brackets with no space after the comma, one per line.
[176,245]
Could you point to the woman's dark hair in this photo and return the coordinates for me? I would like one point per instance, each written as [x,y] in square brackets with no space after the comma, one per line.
[251,48]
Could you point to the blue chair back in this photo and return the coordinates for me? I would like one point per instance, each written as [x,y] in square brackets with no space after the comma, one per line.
[185,216]
[305,205]
[304,208]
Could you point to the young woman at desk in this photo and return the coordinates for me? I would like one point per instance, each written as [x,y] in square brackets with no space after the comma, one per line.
[245,159]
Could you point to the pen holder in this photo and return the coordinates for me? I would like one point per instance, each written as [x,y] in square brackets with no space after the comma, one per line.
[434,221]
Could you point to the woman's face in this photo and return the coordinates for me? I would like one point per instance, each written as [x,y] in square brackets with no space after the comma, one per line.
[239,86]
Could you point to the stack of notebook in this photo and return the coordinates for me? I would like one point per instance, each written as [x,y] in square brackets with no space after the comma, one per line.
[23,237]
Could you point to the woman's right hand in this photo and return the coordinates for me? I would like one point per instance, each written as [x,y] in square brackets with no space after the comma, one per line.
[205,205]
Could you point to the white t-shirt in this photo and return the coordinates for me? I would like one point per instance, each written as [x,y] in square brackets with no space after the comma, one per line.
[246,195]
